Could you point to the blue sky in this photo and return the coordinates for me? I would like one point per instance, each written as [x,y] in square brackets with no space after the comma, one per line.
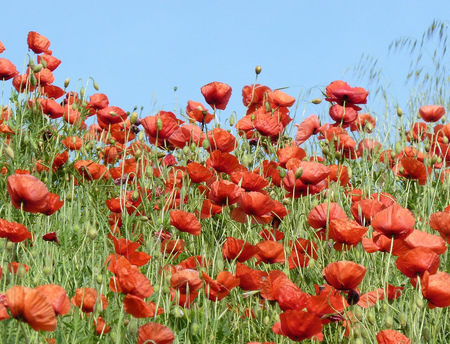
[138,52]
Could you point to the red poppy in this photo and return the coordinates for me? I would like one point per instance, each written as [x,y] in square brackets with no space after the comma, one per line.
[138,308]
[364,210]
[254,94]
[2,47]
[431,113]
[343,114]
[209,209]
[38,43]
[100,326]
[217,94]
[344,275]
[253,206]
[131,280]
[250,279]
[341,93]
[440,221]
[326,301]
[30,194]
[289,152]
[306,129]
[302,251]
[72,143]
[345,232]
[418,260]
[98,101]
[322,214]
[392,337]
[371,298]
[217,289]
[394,221]
[299,325]
[7,69]
[199,113]
[364,122]
[51,61]
[155,333]
[311,172]
[159,128]
[436,289]
[223,192]
[425,240]
[57,296]
[91,170]
[13,231]
[224,162]
[87,298]
[412,168]
[185,222]
[270,252]
[51,236]
[32,307]
[13,267]
[238,249]
[127,248]
[222,140]
[383,243]
[272,234]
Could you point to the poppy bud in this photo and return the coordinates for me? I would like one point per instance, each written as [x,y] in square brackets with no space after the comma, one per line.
[398,147]
[282,173]
[96,87]
[166,289]
[426,334]
[31,63]
[159,123]
[338,155]
[419,302]
[445,139]
[66,82]
[371,317]
[141,136]
[358,341]
[133,117]
[99,279]
[47,271]
[44,63]
[205,144]
[434,159]
[132,328]
[316,101]
[299,173]
[349,172]
[232,120]
[135,195]
[325,150]
[402,319]
[177,311]
[93,233]
[126,322]
[399,112]
[258,70]
[194,328]
[156,288]
[286,201]
[358,313]
[267,106]
[82,92]
[143,218]
[389,321]
[9,152]
[38,68]
[21,271]
[138,153]
[33,80]
[266,320]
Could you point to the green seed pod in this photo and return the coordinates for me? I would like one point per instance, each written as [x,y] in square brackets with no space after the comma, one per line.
[135,195]
[159,123]
[258,70]
[426,334]
[389,321]
[96,87]
[44,63]
[325,151]
[316,101]
[186,150]
[99,279]
[166,289]
[66,82]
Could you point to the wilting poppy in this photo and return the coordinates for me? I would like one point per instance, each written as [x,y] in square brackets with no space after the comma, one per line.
[392,337]
[138,308]
[32,307]
[394,221]
[185,222]
[344,275]
[155,333]
[217,94]
[431,113]
[299,325]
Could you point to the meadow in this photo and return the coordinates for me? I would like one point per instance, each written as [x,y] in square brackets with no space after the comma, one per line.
[298,220]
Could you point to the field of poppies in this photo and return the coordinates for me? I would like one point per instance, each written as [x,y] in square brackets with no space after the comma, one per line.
[168,227]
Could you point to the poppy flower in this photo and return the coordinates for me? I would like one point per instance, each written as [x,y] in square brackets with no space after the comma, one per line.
[199,113]
[418,260]
[51,236]
[217,289]
[250,279]
[364,122]
[306,129]
[13,231]
[7,69]
[32,307]
[186,279]
[289,152]
[345,232]
[370,298]
[270,252]
[72,143]
[224,162]
[312,172]
[341,93]
[91,170]
[138,308]
[13,267]
[436,289]
[57,296]
[255,206]
[392,337]
[383,243]
[222,140]
[224,192]
[440,221]
[299,325]
[30,194]
[2,47]
[159,128]
[131,280]
[344,275]
[254,94]
[322,214]
[326,301]
[51,61]
[394,220]
[302,251]
[155,333]
[412,168]
[98,101]
[423,239]
[431,113]
[238,249]
[87,298]
[209,209]
[185,222]
[38,43]
[272,234]
[343,114]
[173,246]
[217,94]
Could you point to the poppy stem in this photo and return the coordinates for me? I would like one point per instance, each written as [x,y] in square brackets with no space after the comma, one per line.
[24,334]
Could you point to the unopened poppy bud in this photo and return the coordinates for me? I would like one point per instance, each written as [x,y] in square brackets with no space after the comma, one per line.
[371,317]
[156,288]
[434,159]
[358,313]
[245,160]
[312,263]
[439,160]
[33,80]
[419,302]
[349,172]
[338,155]
[166,289]
[38,68]
[325,150]
[427,147]
[194,328]
[358,341]
[132,328]
[193,147]
[149,171]
[143,218]
[219,265]
[398,147]
[159,123]
[66,82]
[21,271]
[126,322]
[316,101]
[399,112]
[206,144]
[82,92]
[47,271]
[282,173]
[299,173]
[232,120]
[177,311]
[137,153]
[426,334]
[135,195]
[252,117]
[93,233]
[141,136]
[9,152]
[133,117]
[267,106]
[186,150]
[31,63]
[402,319]
[445,140]
[286,201]
[389,321]
[266,320]
[99,279]
[44,63]
[258,70]
[9,245]
[96,87]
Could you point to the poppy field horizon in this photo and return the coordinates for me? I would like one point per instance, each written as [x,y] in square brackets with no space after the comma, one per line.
[173,227]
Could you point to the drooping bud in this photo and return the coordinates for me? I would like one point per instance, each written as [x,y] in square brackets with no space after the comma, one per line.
[38,68]
[135,195]
[258,70]
[82,92]
[33,80]
[299,173]
[316,101]
[232,120]
[206,144]
[96,87]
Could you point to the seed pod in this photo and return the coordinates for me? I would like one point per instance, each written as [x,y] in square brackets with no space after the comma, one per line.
[258,70]
[403,319]
[316,101]
[371,317]
[33,80]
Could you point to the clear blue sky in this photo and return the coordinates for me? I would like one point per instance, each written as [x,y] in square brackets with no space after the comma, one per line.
[139,50]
